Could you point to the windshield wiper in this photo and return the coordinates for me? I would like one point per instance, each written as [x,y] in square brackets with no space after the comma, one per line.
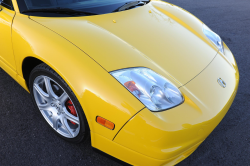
[60,10]
[130,5]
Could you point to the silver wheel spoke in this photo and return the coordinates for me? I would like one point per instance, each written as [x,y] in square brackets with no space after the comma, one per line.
[44,107]
[66,126]
[44,95]
[55,121]
[64,97]
[49,88]
[71,117]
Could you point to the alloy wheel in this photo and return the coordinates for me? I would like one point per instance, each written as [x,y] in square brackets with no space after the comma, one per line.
[56,106]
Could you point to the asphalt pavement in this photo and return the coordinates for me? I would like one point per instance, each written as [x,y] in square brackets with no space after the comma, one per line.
[25,139]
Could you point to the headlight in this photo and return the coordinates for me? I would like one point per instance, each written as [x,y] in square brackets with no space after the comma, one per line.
[154,91]
[213,37]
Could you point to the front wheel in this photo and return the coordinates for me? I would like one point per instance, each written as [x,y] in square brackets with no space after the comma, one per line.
[57,104]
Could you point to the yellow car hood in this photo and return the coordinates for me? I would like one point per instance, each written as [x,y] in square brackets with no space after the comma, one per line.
[159,36]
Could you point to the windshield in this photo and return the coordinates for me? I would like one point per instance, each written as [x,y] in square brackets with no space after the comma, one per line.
[97,6]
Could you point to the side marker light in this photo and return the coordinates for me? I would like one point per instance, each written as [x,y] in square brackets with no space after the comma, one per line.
[105,123]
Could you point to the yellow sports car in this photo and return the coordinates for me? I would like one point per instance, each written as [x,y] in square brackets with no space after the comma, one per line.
[145,79]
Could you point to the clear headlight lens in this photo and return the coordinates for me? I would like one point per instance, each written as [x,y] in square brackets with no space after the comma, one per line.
[213,37]
[154,91]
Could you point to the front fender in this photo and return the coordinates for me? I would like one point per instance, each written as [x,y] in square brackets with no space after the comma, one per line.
[97,91]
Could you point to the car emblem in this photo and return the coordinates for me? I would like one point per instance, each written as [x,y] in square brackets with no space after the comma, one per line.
[222,82]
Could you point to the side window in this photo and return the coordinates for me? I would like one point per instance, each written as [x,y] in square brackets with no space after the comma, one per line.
[7,4]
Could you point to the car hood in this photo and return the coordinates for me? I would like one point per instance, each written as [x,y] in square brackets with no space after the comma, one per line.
[159,36]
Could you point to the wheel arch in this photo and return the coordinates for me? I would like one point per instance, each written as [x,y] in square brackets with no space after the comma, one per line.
[28,64]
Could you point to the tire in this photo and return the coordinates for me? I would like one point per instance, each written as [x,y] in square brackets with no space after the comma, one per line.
[57,104]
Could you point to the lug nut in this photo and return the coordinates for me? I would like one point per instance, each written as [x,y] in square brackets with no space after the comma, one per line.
[52,104]
[50,114]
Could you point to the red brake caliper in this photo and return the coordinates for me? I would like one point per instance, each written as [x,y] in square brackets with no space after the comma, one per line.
[71,109]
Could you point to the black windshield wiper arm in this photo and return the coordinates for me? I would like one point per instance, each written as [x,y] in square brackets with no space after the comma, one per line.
[131,4]
[58,10]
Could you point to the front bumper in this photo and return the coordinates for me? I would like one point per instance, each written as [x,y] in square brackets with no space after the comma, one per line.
[166,138]
[133,153]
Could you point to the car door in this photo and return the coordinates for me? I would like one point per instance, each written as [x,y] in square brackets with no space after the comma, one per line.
[7,59]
